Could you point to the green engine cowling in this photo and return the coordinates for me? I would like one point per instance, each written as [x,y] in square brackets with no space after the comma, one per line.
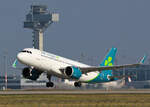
[73,72]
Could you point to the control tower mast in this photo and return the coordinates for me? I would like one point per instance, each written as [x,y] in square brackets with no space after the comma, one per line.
[38,19]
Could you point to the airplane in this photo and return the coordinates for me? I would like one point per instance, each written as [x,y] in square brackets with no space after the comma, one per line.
[38,62]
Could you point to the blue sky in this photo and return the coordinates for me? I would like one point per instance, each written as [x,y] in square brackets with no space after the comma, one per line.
[90,27]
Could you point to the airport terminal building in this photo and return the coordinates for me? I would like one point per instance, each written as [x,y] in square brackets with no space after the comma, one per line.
[140,76]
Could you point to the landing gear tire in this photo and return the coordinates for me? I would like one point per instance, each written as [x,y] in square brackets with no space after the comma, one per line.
[49,84]
[77,84]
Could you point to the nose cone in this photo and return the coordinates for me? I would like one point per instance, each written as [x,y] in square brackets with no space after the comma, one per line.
[20,57]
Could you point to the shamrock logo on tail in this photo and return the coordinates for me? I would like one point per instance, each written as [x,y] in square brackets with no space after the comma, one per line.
[108,62]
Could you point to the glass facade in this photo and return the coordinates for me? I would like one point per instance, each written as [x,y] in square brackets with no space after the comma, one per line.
[140,73]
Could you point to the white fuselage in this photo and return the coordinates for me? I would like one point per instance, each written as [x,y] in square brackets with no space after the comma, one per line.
[51,63]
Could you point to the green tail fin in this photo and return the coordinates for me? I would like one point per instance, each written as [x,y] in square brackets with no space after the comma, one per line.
[109,58]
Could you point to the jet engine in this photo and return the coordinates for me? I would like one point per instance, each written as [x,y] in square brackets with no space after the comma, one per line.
[73,72]
[32,74]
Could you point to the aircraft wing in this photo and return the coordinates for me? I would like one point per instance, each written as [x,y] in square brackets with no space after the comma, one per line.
[91,69]
[85,70]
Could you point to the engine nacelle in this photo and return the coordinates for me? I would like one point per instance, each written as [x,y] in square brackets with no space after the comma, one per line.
[73,72]
[32,74]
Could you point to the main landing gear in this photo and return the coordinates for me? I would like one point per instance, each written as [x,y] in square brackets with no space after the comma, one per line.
[77,84]
[49,84]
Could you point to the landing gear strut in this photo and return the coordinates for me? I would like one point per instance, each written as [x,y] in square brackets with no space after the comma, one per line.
[49,84]
[77,84]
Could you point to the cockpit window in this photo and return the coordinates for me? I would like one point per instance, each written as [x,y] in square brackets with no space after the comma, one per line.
[27,51]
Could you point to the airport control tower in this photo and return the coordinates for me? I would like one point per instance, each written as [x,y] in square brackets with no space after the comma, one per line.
[38,19]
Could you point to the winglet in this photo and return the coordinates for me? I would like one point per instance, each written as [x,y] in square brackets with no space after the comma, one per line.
[15,63]
[143,59]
